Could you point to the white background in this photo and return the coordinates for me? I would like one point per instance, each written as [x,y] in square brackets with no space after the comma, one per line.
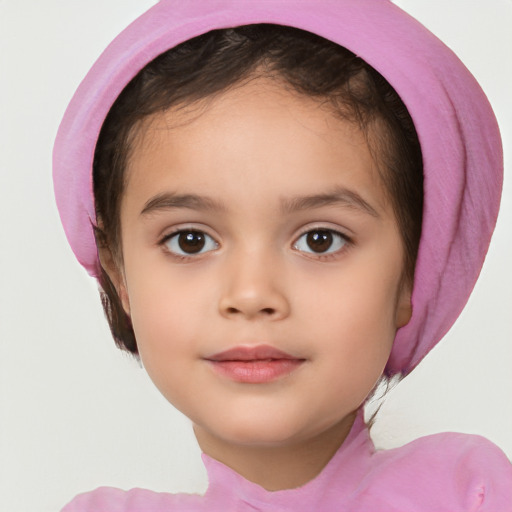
[74,412]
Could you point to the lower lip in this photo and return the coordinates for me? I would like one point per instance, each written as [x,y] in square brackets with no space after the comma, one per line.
[256,371]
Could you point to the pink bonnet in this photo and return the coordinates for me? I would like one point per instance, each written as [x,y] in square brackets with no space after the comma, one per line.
[459,137]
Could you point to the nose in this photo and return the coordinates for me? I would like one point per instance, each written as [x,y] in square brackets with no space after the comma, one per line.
[254,289]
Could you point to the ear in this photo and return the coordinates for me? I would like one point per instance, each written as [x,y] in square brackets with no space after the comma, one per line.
[404,305]
[114,271]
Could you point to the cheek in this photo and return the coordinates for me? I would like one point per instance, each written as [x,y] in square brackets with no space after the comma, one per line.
[163,297]
[353,320]
[164,309]
[355,357]
[358,301]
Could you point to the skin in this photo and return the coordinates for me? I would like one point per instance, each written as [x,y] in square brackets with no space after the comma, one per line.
[257,281]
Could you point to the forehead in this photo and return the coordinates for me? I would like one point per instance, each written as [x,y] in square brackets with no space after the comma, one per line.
[252,133]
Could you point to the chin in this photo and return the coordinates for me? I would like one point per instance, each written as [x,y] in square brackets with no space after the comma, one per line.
[264,432]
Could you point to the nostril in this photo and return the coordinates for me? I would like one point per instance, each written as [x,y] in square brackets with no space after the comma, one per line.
[264,311]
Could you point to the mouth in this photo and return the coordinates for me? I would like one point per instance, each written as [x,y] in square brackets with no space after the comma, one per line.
[254,365]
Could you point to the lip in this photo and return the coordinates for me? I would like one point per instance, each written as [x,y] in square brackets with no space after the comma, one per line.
[254,364]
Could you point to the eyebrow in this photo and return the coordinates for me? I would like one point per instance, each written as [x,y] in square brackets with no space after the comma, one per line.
[339,197]
[170,200]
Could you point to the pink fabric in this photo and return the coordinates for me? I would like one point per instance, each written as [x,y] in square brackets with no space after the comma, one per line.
[439,473]
[457,130]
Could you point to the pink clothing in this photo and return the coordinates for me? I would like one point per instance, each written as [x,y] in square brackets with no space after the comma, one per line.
[439,473]
[463,167]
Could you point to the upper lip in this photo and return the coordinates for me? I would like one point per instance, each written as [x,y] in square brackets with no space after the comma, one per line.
[251,353]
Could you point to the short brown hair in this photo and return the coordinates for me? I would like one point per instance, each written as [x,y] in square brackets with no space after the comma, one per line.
[209,64]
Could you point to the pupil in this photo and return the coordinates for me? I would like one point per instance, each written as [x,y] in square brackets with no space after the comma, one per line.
[191,242]
[319,241]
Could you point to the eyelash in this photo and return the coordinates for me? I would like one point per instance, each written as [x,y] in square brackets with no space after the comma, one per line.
[337,237]
[164,242]
[323,256]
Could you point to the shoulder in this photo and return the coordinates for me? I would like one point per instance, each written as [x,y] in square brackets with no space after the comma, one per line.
[136,500]
[448,471]
[452,448]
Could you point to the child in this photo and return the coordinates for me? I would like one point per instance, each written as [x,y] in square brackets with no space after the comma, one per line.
[251,200]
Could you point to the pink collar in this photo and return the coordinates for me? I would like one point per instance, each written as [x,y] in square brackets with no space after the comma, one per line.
[340,476]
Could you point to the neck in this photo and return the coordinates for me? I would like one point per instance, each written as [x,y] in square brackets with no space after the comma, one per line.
[278,467]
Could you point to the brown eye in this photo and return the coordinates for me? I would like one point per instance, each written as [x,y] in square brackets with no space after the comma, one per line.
[190,243]
[320,241]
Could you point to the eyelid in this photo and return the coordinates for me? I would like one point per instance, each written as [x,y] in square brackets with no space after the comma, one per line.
[326,226]
[186,226]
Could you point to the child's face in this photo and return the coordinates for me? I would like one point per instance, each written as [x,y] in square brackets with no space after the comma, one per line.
[292,244]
